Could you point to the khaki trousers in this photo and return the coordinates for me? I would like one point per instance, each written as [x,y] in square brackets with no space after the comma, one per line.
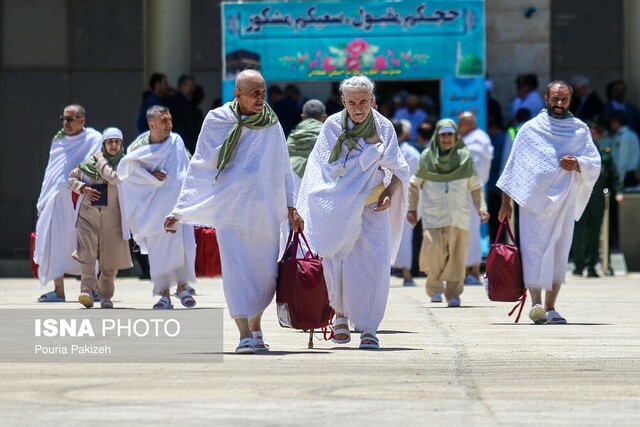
[443,257]
[103,286]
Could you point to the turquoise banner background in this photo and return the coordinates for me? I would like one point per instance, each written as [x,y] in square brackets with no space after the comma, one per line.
[332,40]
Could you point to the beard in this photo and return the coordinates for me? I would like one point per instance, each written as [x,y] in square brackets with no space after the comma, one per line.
[557,112]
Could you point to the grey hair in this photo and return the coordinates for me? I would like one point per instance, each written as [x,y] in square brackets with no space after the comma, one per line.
[580,80]
[154,110]
[357,83]
[79,109]
[314,109]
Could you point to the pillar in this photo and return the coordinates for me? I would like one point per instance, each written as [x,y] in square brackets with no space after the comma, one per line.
[167,38]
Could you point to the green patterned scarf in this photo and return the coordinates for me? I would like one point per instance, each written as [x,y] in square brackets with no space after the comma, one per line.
[363,130]
[88,166]
[59,135]
[300,143]
[444,166]
[262,120]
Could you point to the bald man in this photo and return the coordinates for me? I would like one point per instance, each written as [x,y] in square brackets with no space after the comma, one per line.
[479,144]
[240,182]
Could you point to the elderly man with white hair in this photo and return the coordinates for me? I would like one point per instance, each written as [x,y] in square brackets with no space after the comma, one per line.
[353,201]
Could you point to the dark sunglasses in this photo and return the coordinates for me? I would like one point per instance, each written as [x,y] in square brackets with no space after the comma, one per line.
[69,118]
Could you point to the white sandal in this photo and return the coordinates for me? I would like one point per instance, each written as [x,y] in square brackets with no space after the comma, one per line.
[341,327]
[246,346]
[163,304]
[260,343]
[373,343]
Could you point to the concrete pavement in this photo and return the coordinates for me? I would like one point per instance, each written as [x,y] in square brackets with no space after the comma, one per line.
[437,366]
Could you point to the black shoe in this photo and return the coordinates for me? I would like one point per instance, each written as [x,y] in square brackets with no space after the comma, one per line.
[591,272]
[609,272]
[578,272]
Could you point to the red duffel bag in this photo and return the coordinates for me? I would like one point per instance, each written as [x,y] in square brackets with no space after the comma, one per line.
[301,292]
[504,279]
[207,253]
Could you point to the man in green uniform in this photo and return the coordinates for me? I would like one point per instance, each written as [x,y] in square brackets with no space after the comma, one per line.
[586,236]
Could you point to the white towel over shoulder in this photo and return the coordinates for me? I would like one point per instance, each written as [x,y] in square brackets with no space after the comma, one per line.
[332,210]
[252,191]
[56,216]
[533,176]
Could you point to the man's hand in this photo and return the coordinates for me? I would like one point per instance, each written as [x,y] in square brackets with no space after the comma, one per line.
[569,163]
[505,209]
[412,217]
[99,155]
[297,223]
[160,176]
[384,201]
[90,193]
[170,223]
[484,216]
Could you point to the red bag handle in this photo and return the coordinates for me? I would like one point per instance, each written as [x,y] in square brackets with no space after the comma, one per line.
[499,233]
[295,236]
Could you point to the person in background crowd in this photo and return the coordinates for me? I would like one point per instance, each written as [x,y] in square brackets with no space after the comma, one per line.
[586,236]
[502,143]
[626,148]
[527,96]
[404,259]
[412,112]
[289,108]
[586,104]
[478,143]
[302,139]
[157,95]
[185,122]
[616,101]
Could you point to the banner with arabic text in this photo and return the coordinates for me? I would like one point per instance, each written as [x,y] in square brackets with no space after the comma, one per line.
[331,40]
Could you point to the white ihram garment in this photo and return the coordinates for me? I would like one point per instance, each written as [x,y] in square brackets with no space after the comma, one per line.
[246,205]
[550,198]
[357,244]
[146,201]
[55,230]
[479,145]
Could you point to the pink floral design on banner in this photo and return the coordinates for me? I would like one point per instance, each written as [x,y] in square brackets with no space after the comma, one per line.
[356,56]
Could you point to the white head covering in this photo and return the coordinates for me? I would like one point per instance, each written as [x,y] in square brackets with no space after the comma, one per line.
[109,133]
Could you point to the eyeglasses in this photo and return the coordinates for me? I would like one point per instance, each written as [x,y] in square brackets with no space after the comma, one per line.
[69,118]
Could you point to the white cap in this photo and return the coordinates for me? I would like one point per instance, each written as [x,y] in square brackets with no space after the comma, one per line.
[110,133]
[446,129]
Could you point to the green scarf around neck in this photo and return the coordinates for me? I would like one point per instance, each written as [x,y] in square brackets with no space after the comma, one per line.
[444,166]
[300,143]
[263,119]
[363,130]
[59,135]
[88,166]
